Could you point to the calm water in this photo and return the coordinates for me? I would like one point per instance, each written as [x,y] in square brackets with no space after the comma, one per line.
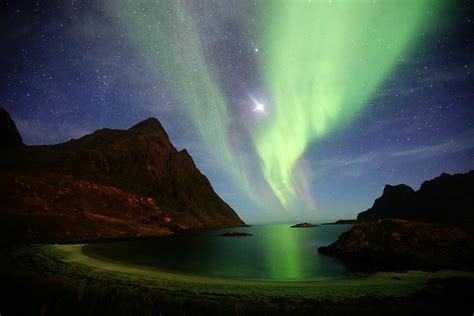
[275,252]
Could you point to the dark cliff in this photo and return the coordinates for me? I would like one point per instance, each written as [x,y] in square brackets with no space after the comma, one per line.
[9,135]
[407,229]
[106,184]
[447,199]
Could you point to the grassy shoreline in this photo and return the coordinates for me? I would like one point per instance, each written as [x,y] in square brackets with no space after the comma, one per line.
[381,283]
[142,290]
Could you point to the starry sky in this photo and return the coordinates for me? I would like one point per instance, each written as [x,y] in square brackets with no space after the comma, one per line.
[293,109]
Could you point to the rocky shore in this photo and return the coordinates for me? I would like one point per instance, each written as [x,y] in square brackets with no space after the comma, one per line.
[394,245]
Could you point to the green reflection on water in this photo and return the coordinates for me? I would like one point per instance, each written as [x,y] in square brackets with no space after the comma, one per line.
[282,252]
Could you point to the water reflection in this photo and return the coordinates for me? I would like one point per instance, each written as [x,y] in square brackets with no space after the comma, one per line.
[282,247]
[275,252]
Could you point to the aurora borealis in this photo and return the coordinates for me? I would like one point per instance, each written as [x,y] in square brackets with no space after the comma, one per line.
[351,95]
[308,71]
[320,72]
[169,26]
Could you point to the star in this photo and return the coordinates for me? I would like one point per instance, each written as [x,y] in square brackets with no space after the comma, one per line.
[259,107]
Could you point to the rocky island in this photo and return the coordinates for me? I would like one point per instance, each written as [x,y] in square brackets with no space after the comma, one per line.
[304,225]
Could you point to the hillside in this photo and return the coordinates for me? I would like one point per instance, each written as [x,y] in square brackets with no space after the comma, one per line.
[106,184]
[447,199]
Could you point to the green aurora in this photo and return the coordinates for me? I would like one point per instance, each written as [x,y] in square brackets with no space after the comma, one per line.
[166,33]
[322,62]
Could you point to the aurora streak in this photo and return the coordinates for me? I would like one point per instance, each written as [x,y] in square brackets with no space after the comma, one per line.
[322,63]
[167,34]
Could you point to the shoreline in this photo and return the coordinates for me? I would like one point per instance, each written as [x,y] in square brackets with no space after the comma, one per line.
[393,283]
[66,266]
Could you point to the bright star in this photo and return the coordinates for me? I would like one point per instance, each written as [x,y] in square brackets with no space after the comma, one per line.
[259,107]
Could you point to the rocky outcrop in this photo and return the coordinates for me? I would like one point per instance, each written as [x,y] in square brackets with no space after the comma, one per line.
[304,225]
[389,244]
[139,162]
[447,199]
[9,135]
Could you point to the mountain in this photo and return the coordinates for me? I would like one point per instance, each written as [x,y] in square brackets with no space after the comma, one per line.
[447,199]
[108,184]
[9,135]
[414,230]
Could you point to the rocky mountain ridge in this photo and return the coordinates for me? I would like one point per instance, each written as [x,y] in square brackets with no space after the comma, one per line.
[447,199]
[139,164]
[428,229]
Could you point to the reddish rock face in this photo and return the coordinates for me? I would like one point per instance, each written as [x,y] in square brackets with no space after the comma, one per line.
[147,185]
[51,207]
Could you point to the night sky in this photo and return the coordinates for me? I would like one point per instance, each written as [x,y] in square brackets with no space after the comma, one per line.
[293,109]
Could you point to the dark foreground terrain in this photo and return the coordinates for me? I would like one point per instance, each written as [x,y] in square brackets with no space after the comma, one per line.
[34,283]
